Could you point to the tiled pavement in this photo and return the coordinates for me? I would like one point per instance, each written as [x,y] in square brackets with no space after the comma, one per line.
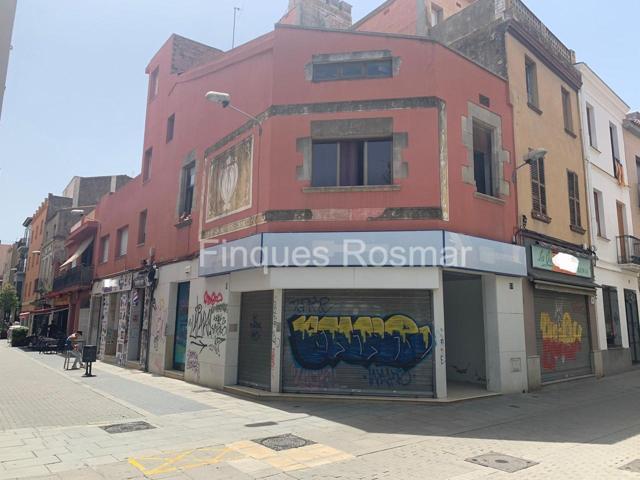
[48,428]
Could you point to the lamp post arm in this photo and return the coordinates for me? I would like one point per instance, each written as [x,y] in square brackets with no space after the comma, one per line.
[248,115]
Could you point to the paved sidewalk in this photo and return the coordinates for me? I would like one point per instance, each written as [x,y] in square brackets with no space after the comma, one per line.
[582,430]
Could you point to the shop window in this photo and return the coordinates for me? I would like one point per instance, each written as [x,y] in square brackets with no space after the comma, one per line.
[104,249]
[483,158]
[591,126]
[142,227]
[325,72]
[146,165]
[171,123]
[612,316]
[538,190]
[352,163]
[123,240]
[567,113]
[187,189]
[531,77]
[574,199]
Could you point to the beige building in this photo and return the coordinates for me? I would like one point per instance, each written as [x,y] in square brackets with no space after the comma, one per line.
[631,136]
[560,319]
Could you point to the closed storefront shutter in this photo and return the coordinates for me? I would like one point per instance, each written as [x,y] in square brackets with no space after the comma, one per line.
[254,351]
[563,337]
[358,341]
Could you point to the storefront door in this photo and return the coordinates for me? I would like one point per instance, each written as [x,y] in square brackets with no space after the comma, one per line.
[563,336]
[631,308]
[254,351]
[182,319]
[358,341]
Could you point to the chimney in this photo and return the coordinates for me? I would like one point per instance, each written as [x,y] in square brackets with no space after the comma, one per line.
[331,14]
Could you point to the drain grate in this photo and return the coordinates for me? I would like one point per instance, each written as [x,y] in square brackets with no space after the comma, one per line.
[261,424]
[127,427]
[284,442]
[504,463]
[632,467]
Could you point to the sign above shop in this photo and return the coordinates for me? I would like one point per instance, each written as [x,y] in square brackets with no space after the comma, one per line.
[546,258]
[432,248]
[121,283]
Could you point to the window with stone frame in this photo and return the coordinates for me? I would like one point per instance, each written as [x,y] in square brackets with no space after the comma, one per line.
[483,154]
[352,162]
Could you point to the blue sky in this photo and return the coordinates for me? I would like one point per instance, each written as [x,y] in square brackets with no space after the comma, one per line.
[76,89]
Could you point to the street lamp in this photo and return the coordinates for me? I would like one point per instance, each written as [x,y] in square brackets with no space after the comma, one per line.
[224,99]
[533,156]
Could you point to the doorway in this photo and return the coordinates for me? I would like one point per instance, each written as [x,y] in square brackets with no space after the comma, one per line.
[182,319]
[621,231]
[254,349]
[633,327]
[465,331]
[135,324]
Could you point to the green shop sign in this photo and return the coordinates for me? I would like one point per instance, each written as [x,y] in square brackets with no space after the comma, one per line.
[560,262]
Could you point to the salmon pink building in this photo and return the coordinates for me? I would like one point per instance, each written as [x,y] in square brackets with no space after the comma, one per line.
[339,219]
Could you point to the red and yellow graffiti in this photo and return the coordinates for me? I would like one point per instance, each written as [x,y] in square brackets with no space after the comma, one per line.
[560,340]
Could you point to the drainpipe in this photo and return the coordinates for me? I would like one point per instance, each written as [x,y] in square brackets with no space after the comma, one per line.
[152,289]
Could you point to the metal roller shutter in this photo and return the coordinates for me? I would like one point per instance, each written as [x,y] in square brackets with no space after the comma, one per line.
[254,351]
[562,335]
[358,341]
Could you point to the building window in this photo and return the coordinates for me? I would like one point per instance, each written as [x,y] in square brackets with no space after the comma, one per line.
[567,113]
[437,14]
[531,76]
[615,151]
[538,190]
[123,240]
[153,83]
[352,163]
[325,72]
[599,209]
[142,227]
[171,123]
[591,126]
[483,158]
[188,189]
[638,178]
[612,316]
[574,199]
[104,249]
[146,165]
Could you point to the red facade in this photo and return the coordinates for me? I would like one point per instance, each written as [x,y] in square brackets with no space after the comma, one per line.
[425,101]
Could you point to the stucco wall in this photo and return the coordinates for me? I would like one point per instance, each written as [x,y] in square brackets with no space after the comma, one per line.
[546,130]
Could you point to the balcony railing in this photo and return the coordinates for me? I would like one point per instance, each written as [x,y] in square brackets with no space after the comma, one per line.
[80,276]
[628,250]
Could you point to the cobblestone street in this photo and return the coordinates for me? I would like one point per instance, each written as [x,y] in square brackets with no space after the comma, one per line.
[50,427]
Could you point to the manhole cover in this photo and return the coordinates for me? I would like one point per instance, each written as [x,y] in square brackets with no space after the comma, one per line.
[504,463]
[261,424]
[632,467]
[127,427]
[284,442]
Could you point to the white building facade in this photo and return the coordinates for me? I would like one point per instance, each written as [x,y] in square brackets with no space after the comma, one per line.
[611,227]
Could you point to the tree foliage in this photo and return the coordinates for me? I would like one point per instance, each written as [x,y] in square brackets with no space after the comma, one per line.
[8,299]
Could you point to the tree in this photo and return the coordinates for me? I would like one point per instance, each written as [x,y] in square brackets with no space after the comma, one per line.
[8,300]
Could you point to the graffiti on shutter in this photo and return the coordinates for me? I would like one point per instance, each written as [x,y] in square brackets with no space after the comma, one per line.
[358,341]
[562,324]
